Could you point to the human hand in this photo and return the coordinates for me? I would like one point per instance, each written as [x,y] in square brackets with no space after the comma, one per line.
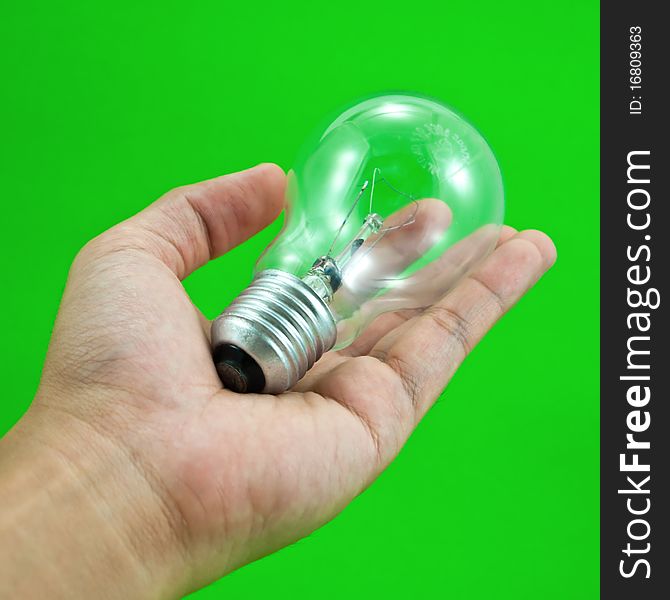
[134,474]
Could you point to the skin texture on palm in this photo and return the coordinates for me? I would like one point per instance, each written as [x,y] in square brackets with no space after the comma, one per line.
[193,480]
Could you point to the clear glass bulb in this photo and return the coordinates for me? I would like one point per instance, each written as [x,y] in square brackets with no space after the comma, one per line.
[387,209]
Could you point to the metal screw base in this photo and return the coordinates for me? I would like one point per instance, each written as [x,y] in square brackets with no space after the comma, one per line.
[271,334]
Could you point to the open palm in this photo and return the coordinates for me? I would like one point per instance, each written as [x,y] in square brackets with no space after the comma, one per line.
[232,477]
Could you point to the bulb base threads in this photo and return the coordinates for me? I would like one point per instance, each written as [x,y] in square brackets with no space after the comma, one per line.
[271,334]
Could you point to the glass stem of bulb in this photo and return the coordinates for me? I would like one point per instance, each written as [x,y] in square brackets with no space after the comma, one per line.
[327,273]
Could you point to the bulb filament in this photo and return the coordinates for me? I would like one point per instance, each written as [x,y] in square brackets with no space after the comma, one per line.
[327,272]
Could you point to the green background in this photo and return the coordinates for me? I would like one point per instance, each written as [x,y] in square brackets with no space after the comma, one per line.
[105,105]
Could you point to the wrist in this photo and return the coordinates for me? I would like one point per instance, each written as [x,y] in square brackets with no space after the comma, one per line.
[80,515]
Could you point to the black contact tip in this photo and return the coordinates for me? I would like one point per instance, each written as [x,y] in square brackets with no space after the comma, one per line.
[237,370]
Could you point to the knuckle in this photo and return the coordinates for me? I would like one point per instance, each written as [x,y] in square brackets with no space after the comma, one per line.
[410,382]
[109,241]
[92,249]
[453,324]
[492,294]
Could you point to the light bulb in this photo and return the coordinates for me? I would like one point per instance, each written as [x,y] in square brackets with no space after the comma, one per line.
[387,209]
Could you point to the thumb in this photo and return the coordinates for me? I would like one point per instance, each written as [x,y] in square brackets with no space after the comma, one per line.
[193,224]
